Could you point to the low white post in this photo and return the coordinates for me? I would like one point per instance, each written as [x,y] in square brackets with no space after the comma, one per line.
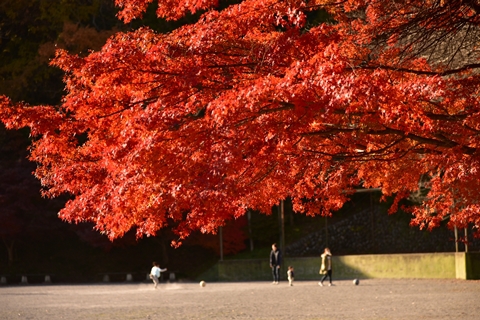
[3,280]
[172,276]
[47,279]
[24,280]
[129,277]
[106,278]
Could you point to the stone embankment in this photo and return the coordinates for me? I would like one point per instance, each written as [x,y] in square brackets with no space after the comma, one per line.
[370,232]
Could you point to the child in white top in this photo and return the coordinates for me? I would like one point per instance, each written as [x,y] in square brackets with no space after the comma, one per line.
[155,273]
[290,275]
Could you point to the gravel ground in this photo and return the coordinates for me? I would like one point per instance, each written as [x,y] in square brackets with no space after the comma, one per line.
[372,299]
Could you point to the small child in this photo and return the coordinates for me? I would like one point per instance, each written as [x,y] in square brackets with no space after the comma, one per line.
[290,275]
[155,273]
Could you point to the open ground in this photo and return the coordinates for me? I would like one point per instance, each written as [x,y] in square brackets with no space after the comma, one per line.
[372,299]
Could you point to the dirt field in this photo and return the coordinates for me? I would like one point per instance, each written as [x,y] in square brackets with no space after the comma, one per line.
[372,299]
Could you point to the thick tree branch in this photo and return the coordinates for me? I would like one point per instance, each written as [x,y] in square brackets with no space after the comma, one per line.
[443,143]
[473,4]
[420,72]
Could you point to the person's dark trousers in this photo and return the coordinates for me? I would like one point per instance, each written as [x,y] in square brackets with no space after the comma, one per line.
[329,275]
[276,273]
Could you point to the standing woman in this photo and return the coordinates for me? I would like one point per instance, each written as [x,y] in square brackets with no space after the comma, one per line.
[326,268]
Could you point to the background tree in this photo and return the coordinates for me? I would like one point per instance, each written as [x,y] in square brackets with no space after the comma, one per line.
[22,209]
[30,33]
[255,103]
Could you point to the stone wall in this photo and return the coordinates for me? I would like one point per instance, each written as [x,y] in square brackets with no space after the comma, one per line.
[377,232]
[425,265]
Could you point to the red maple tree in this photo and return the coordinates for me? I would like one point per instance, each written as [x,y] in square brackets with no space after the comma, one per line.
[262,101]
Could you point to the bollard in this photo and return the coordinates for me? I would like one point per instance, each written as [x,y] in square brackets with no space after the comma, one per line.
[129,277]
[47,279]
[148,277]
[24,280]
[106,278]
[172,276]
[3,280]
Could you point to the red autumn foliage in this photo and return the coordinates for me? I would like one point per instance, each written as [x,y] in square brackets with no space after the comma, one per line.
[259,102]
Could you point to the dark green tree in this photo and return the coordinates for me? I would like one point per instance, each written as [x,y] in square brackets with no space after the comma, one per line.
[30,30]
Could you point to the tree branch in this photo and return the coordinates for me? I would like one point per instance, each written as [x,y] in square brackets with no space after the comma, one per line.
[420,72]
[444,143]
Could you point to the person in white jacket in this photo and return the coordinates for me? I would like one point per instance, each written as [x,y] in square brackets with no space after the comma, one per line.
[155,273]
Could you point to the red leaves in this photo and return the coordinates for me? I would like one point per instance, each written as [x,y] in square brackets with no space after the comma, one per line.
[169,9]
[250,105]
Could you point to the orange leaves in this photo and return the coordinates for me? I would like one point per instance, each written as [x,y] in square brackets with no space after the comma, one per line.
[253,104]
[169,9]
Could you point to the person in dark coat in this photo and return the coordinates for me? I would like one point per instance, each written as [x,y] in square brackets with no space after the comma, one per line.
[275,262]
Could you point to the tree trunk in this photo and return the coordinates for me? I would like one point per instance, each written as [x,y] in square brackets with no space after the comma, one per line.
[163,249]
[9,247]
[250,235]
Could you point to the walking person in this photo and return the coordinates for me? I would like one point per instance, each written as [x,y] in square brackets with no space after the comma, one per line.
[326,268]
[275,262]
[155,273]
